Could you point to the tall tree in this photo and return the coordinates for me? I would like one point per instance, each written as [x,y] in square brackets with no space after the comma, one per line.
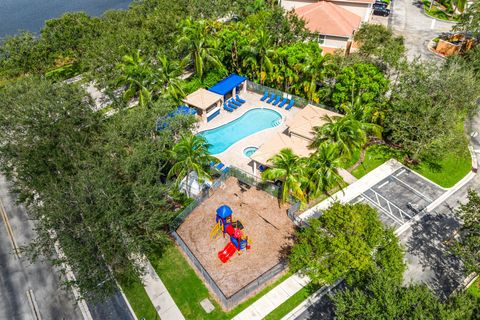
[338,244]
[191,154]
[168,74]
[202,48]
[468,246]
[426,105]
[289,169]
[138,77]
[377,41]
[346,133]
[322,169]
[469,20]
[257,55]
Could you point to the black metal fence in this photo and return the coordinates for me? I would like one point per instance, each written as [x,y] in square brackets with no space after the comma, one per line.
[229,302]
[244,177]
[300,102]
[255,181]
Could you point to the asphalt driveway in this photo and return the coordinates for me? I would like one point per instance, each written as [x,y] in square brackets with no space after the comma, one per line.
[409,20]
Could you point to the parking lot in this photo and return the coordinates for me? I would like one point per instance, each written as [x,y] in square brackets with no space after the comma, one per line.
[400,196]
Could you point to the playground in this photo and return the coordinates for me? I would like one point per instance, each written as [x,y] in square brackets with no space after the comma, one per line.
[265,227]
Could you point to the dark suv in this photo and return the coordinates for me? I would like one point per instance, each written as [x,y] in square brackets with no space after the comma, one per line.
[384,12]
[379,5]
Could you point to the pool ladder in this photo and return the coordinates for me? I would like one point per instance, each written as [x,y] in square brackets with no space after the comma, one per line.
[276,123]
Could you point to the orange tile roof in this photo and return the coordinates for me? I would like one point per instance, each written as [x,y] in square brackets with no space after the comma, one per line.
[329,19]
[355,1]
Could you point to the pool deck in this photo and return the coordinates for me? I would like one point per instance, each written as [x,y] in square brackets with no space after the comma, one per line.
[234,155]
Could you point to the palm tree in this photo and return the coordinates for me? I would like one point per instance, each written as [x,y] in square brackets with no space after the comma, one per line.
[367,114]
[289,169]
[314,71]
[202,48]
[138,77]
[191,154]
[258,53]
[323,169]
[345,133]
[458,5]
[168,74]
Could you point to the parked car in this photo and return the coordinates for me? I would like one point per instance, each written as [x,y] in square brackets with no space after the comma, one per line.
[380,5]
[384,12]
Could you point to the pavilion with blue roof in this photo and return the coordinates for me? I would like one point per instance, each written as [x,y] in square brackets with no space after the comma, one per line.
[230,86]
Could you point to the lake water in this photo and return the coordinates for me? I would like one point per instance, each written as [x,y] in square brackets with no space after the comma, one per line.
[31,14]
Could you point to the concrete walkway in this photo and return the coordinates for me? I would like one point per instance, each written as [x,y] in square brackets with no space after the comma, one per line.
[347,176]
[158,294]
[273,299]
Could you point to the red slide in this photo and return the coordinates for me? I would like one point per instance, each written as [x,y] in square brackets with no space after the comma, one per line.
[227,252]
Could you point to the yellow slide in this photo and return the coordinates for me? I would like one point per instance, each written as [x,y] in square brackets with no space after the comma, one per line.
[216,231]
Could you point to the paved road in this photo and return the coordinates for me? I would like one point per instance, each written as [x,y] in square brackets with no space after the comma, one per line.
[17,276]
[409,20]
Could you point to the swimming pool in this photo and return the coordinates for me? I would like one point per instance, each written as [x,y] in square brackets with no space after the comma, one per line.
[252,121]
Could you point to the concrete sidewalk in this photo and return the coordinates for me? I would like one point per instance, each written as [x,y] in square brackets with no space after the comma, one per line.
[273,299]
[158,294]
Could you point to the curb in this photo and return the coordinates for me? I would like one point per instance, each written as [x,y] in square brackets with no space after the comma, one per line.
[424,12]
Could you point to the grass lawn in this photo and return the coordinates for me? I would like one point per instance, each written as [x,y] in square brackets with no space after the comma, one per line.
[291,303]
[446,173]
[374,157]
[474,288]
[138,299]
[187,289]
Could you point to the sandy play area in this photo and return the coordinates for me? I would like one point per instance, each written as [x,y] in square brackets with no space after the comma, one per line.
[266,224]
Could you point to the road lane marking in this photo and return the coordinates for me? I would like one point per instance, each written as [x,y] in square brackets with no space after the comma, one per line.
[9,229]
[33,304]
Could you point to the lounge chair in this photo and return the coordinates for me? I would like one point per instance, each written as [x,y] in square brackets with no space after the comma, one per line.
[220,166]
[231,105]
[227,108]
[226,170]
[233,101]
[284,101]
[265,96]
[212,163]
[290,104]
[277,100]
[240,99]
[272,96]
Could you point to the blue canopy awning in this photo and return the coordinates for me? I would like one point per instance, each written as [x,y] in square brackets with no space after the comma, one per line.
[224,211]
[226,85]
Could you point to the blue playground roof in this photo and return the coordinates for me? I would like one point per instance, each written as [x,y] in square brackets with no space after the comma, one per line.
[162,122]
[227,84]
[224,211]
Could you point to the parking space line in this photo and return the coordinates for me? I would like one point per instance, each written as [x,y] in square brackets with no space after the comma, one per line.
[383,184]
[413,189]
[391,215]
[402,171]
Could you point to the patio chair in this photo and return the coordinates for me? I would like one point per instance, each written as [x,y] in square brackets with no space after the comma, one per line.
[240,99]
[277,100]
[284,101]
[231,105]
[265,96]
[290,104]
[227,108]
[235,102]
[272,96]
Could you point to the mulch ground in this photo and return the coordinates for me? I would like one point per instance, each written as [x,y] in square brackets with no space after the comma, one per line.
[266,224]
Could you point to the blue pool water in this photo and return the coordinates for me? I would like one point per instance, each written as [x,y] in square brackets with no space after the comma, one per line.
[221,138]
